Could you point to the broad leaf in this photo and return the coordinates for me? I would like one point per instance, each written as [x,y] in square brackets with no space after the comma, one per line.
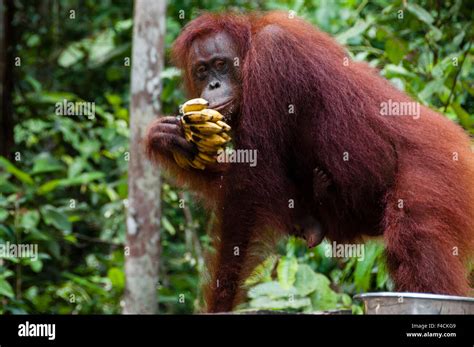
[54,217]
[286,271]
[270,289]
[420,13]
[306,280]
[21,175]
[6,289]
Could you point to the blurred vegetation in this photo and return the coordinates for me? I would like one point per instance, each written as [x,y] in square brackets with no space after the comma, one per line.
[65,187]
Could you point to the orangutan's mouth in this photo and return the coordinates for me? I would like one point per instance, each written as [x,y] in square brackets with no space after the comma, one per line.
[226,108]
[222,105]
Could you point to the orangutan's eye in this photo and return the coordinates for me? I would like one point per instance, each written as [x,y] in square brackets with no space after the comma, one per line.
[201,72]
[220,65]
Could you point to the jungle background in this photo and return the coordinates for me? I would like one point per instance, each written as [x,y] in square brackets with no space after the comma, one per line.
[66,190]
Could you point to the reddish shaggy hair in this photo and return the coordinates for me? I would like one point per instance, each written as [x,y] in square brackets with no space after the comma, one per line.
[408,179]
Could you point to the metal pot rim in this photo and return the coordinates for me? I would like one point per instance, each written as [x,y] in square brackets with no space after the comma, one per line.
[408,295]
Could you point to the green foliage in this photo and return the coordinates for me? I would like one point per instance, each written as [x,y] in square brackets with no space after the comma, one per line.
[65,187]
[296,288]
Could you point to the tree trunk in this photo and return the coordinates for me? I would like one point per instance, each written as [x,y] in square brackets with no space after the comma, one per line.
[144,184]
[6,79]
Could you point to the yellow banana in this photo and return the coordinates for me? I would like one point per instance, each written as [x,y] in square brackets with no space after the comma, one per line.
[188,136]
[204,128]
[226,137]
[185,163]
[213,140]
[194,105]
[198,164]
[181,160]
[201,117]
[206,158]
[207,142]
[209,149]
[209,112]
[223,125]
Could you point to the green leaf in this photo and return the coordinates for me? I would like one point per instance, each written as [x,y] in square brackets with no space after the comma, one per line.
[291,245]
[382,276]
[117,277]
[458,39]
[101,47]
[396,49]
[85,283]
[36,265]
[54,217]
[420,13]
[363,269]
[357,29]
[391,70]
[323,298]
[71,55]
[30,219]
[444,67]
[346,300]
[49,186]
[54,249]
[9,167]
[33,40]
[45,97]
[266,303]
[432,87]
[465,119]
[7,187]
[6,289]
[113,99]
[40,235]
[286,271]
[90,147]
[70,238]
[435,33]
[306,280]
[322,282]
[6,232]
[167,225]
[263,272]
[270,289]
[76,167]
[81,179]
[123,25]
[3,214]
[46,163]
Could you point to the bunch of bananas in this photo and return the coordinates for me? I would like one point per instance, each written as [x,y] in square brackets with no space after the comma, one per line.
[206,129]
